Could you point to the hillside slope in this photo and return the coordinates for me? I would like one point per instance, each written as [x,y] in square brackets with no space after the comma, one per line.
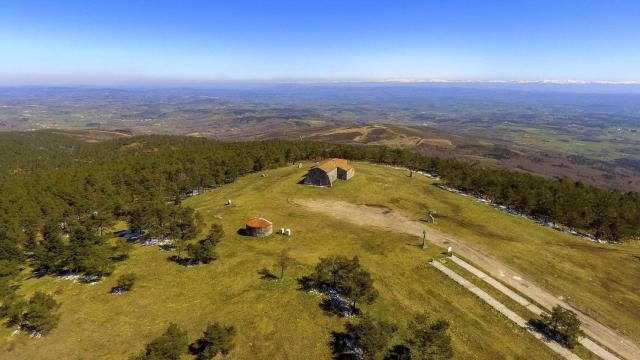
[551,158]
[275,320]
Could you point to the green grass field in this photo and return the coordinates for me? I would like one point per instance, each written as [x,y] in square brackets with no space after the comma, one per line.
[276,320]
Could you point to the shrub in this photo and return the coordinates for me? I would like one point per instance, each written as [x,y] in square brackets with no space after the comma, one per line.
[126,282]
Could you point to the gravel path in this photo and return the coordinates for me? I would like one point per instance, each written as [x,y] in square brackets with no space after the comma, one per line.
[504,311]
[389,220]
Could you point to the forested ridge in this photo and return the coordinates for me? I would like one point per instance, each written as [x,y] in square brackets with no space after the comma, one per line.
[51,178]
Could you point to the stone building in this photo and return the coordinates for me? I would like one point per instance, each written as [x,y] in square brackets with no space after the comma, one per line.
[327,171]
[259,227]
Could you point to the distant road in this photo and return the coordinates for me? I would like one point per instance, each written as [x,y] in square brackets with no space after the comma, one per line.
[382,218]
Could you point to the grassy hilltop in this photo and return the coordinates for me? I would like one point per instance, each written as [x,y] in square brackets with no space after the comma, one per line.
[275,319]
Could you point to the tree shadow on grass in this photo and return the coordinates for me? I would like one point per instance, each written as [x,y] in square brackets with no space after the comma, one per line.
[266,274]
[343,346]
[539,326]
[332,303]
[419,246]
[331,308]
[305,283]
[399,352]
[181,261]
[167,247]
[121,257]
[117,290]
[37,274]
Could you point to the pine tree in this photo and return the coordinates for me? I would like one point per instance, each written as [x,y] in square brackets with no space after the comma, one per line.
[216,339]
[53,252]
[168,346]
[372,336]
[564,323]
[346,276]
[40,313]
[429,340]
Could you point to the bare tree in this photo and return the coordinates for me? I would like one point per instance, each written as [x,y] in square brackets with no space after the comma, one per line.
[283,262]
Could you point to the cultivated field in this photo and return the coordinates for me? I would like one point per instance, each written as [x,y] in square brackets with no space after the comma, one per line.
[275,319]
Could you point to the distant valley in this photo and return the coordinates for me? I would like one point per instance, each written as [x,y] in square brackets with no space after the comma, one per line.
[588,137]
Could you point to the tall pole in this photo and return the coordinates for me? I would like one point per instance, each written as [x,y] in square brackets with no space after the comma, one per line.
[424,239]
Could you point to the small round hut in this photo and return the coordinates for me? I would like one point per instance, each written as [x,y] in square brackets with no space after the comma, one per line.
[259,227]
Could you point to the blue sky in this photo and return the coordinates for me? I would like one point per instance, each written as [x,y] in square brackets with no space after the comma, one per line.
[189,41]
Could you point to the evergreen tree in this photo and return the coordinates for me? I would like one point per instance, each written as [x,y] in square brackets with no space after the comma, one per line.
[359,287]
[564,324]
[99,220]
[346,276]
[216,339]
[168,346]
[12,307]
[9,250]
[215,234]
[52,254]
[121,249]
[89,253]
[429,340]
[202,252]
[40,313]
[9,269]
[372,336]
[183,227]
[31,245]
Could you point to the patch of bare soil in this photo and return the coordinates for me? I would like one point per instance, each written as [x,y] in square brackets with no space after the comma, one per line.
[437,142]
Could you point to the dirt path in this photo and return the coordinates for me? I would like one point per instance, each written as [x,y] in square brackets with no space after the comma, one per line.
[387,219]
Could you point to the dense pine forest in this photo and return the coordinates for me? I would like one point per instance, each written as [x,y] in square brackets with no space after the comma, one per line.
[84,188]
